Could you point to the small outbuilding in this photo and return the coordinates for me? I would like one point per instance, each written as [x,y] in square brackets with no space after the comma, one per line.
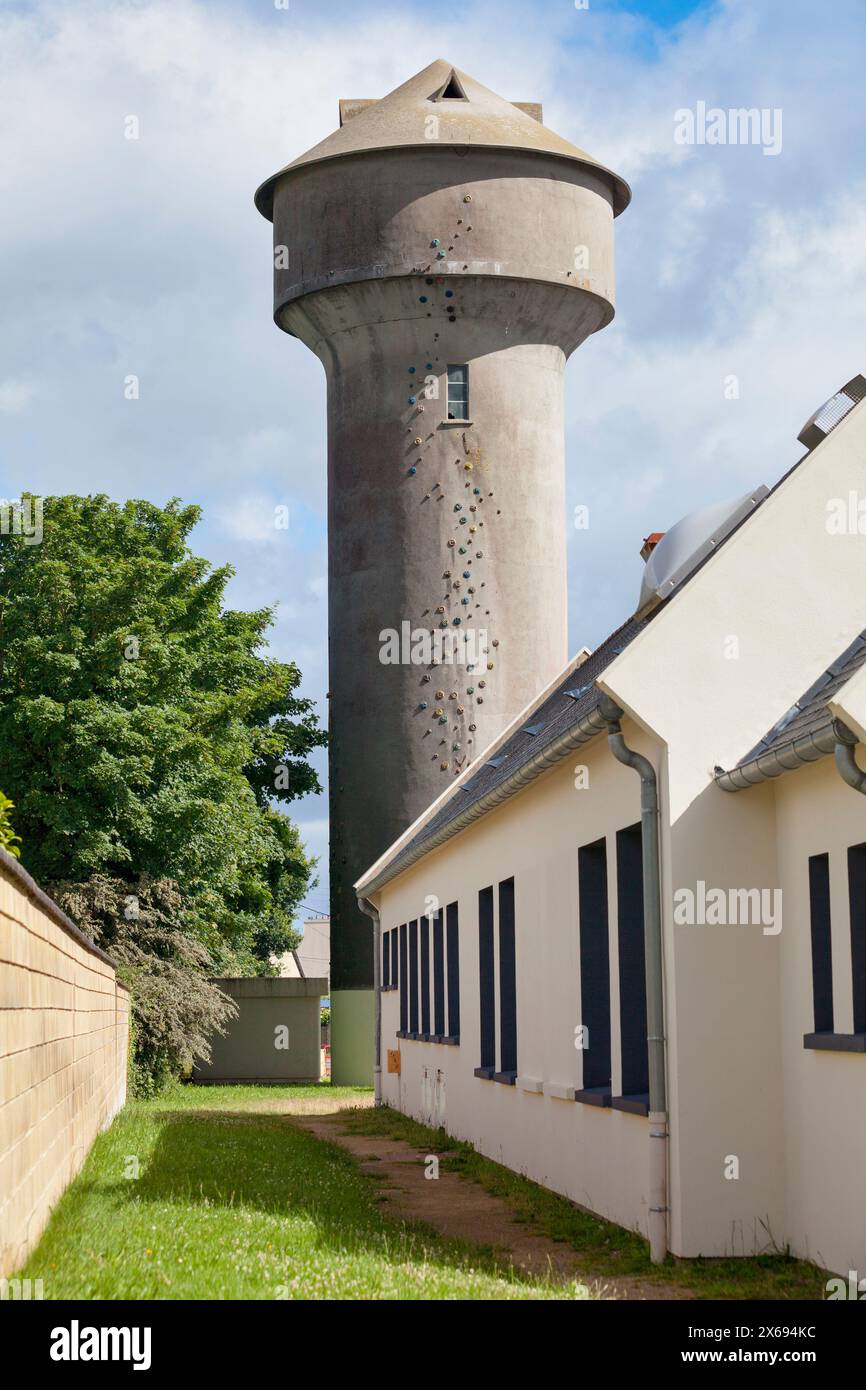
[276,1036]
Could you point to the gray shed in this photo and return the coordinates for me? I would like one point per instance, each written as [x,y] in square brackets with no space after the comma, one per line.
[276,1036]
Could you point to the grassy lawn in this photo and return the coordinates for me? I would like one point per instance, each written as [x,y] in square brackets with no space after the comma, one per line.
[234,1202]
[609,1250]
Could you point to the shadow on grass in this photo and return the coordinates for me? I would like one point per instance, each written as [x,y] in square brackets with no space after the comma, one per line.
[225,1161]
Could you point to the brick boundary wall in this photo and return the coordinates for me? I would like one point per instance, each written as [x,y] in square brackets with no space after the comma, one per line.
[64,1037]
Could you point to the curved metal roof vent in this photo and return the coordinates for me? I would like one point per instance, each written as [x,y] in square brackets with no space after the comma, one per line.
[819,425]
[687,544]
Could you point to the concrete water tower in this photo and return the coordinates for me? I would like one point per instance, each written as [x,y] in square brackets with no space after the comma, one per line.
[442,253]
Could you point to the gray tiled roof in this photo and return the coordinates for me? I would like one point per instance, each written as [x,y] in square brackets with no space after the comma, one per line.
[804,723]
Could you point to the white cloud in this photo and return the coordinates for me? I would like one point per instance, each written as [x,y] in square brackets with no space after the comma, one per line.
[15,395]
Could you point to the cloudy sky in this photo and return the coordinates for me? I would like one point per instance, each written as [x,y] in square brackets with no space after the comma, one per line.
[146,257]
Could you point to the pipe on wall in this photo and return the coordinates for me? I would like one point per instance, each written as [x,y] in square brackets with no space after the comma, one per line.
[649,802]
[367,907]
[845,758]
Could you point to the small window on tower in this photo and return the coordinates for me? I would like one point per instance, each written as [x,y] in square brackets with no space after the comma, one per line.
[458,393]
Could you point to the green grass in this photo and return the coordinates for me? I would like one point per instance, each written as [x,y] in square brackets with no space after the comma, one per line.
[609,1251]
[233,1202]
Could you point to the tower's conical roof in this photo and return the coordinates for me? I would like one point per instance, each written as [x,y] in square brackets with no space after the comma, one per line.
[468,114]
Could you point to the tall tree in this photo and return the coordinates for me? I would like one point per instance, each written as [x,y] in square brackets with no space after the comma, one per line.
[145,732]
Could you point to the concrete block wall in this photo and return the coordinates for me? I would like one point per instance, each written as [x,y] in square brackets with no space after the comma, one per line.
[64,1033]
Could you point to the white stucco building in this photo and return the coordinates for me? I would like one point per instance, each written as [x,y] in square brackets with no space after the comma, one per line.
[312,957]
[674,1037]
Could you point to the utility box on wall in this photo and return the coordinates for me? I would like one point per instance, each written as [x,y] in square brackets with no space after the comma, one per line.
[276,1036]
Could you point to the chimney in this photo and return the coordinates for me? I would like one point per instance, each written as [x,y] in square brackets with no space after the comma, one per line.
[649,544]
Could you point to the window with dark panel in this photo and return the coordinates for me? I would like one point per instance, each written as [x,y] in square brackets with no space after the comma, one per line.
[857,903]
[594,964]
[438,975]
[487,984]
[822,954]
[452,927]
[394,948]
[404,981]
[413,978]
[386,960]
[632,974]
[507,981]
[425,976]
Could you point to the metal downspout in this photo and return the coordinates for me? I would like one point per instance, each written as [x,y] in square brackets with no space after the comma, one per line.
[658,1224]
[846,762]
[367,907]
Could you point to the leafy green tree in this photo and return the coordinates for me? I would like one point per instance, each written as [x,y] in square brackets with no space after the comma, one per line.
[145,732]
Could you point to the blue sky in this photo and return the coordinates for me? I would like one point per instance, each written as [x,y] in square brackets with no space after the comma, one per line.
[146,257]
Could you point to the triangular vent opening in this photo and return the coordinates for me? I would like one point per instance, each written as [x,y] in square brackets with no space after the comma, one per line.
[452,91]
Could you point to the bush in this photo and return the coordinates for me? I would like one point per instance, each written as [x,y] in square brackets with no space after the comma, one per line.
[176,1009]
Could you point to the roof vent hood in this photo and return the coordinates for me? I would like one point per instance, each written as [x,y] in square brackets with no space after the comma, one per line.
[687,544]
[819,425]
